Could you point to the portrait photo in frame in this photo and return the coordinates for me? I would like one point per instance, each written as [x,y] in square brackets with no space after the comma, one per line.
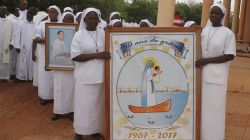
[153,89]
[58,46]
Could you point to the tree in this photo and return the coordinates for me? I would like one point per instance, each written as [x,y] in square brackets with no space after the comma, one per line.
[142,9]
[190,11]
[132,11]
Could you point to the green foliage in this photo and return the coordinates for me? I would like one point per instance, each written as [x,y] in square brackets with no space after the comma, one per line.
[132,12]
[142,9]
[190,11]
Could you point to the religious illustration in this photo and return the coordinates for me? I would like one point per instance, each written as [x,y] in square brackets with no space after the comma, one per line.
[152,86]
[58,45]
[152,91]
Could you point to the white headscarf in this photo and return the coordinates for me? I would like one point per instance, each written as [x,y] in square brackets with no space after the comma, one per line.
[112,22]
[189,23]
[66,13]
[99,13]
[84,13]
[68,9]
[59,17]
[148,22]
[77,14]
[102,23]
[112,14]
[224,11]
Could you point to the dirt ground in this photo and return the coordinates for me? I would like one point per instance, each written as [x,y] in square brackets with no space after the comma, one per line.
[23,118]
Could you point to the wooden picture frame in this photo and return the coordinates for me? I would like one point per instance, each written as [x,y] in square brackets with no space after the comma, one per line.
[169,109]
[58,38]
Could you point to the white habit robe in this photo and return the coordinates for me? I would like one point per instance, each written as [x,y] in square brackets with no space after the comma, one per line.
[64,83]
[26,34]
[216,41]
[46,82]
[5,38]
[21,18]
[37,19]
[13,52]
[89,98]
[22,15]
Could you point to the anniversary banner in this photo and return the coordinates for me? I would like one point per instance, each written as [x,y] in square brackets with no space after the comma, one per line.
[151,84]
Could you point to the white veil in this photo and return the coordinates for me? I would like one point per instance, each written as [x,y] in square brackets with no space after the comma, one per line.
[59,17]
[224,11]
[84,13]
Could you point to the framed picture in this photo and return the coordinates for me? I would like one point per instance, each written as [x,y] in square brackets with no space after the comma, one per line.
[58,46]
[153,90]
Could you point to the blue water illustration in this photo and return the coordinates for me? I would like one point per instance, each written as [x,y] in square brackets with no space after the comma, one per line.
[178,101]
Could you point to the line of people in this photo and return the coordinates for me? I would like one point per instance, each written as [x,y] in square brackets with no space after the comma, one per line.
[22,39]
[77,95]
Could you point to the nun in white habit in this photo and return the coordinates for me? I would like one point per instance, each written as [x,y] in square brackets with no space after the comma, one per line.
[45,84]
[68,9]
[37,19]
[87,50]
[146,23]
[117,15]
[78,17]
[115,23]
[218,49]
[64,85]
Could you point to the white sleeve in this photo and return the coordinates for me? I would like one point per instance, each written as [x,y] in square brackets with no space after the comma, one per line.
[17,39]
[230,46]
[34,33]
[76,46]
[13,32]
[39,31]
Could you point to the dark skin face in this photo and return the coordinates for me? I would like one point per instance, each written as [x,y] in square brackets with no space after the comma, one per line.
[143,24]
[16,12]
[23,5]
[91,20]
[34,10]
[53,15]
[117,24]
[216,16]
[3,11]
[116,16]
[68,19]
[29,16]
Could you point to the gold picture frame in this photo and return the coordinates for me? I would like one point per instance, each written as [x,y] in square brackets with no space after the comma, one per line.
[58,38]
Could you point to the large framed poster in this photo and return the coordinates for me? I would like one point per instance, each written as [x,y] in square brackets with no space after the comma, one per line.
[152,86]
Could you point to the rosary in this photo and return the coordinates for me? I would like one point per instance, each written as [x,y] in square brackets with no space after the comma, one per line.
[210,37]
[95,40]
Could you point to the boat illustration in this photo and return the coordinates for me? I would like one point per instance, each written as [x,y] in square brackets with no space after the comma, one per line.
[163,107]
[151,122]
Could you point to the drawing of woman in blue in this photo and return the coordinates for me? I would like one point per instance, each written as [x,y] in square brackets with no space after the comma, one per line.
[148,95]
